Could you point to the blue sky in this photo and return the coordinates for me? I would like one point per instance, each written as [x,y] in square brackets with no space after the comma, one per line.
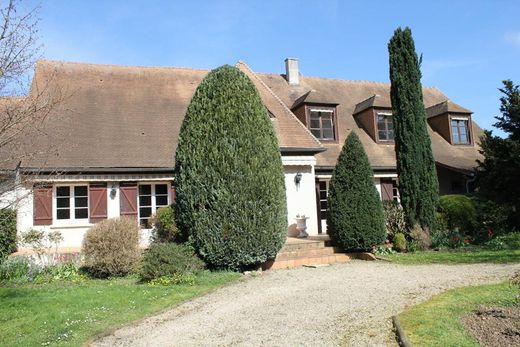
[468,47]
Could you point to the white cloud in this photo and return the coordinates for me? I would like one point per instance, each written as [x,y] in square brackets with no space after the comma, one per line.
[513,38]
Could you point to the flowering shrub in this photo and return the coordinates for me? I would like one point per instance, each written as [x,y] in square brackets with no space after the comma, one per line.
[509,241]
[44,245]
[19,269]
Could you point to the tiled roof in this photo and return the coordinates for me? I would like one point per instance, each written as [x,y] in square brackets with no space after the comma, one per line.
[120,117]
[130,117]
[352,96]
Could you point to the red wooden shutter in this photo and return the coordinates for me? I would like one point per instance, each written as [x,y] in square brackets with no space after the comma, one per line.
[97,195]
[128,199]
[42,205]
[387,190]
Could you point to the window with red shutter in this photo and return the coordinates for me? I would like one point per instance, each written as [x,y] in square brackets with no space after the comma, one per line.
[97,202]
[128,199]
[42,204]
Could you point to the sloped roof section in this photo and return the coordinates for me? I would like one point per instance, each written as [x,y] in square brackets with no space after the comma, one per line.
[353,96]
[130,117]
[291,133]
[375,100]
[445,106]
[314,97]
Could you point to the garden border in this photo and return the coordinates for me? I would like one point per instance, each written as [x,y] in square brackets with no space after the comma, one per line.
[401,337]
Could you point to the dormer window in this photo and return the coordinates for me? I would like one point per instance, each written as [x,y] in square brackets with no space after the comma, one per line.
[321,123]
[385,127]
[460,131]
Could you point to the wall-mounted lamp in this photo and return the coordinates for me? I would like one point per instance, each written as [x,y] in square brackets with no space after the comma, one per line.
[298,178]
[113,191]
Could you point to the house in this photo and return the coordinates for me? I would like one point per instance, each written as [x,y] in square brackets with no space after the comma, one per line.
[113,139]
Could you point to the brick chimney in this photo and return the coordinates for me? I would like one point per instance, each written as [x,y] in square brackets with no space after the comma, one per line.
[292,72]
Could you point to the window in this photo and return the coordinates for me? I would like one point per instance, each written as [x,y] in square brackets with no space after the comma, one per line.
[385,127]
[321,124]
[151,198]
[71,202]
[323,195]
[460,131]
[389,189]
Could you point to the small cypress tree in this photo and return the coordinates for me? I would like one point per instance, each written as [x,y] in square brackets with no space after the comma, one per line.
[418,184]
[230,190]
[355,220]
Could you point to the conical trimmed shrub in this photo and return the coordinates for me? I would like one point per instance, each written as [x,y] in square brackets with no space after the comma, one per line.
[230,190]
[418,183]
[355,219]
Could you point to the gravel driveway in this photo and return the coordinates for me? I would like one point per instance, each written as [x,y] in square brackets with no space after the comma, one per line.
[344,304]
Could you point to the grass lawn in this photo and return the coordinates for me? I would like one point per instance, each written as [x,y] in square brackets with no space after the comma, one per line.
[436,321]
[458,256]
[67,314]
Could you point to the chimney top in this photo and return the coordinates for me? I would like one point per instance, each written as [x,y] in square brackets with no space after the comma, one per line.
[292,72]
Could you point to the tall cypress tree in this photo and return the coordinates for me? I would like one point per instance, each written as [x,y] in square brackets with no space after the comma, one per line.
[355,219]
[230,190]
[418,184]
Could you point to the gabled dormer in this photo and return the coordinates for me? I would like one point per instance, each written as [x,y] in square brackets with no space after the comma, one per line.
[319,114]
[452,122]
[375,116]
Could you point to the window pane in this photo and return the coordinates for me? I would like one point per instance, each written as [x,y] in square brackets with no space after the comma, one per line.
[382,135]
[63,191]
[453,123]
[161,200]
[80,202]
[145,201]
[323,185]
[81,213]
[390,134]
[63,214]
[144,223]
[145,211]
[323,194]
[62,202]
[315,115]
[323,214]
[390,124]
[327,124]
[316,133]
[456,139]
[145,189]
[80,191]
[323,204]
[315,123]
[328,134]
[161,189]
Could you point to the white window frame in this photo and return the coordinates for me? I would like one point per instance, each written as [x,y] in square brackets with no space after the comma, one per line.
[72,205]
[384,114]
[154,205]
[468,131]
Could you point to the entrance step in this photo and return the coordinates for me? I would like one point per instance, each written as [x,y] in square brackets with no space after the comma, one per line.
[306,252]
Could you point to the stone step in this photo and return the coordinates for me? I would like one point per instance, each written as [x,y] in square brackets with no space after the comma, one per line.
[311,244]
[305,253]
[307,261]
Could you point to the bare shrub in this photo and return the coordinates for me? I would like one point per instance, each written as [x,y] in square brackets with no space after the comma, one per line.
[421,237]
[111,247]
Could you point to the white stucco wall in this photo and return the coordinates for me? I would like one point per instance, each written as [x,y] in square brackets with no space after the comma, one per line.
[301,199]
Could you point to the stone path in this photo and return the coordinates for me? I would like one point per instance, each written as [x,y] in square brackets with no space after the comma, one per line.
[344,304]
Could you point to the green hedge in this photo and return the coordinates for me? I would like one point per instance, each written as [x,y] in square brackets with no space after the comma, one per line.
[459,212]
[7,232]
[230,191]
